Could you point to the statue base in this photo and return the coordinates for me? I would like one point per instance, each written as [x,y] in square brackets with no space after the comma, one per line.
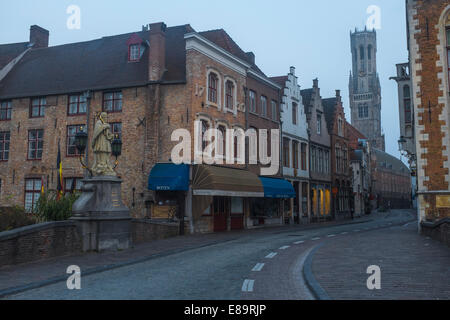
[102,217]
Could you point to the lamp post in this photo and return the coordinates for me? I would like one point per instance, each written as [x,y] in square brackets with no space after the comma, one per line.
[116,149]
[81,139]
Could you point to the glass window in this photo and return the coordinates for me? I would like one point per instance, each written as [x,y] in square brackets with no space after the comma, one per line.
[319,124]
[38,107]
[286,153]
[274,111]
[35,144]
[5,110]
[252,101]
[68,184]
[294,113]
[70,139]
[212,87]
[263,106]
[112,101]
[229,97]
[295,154]
[32,193]
[303,156]
[4,145]
[77,104]
[237,205]
[135,52]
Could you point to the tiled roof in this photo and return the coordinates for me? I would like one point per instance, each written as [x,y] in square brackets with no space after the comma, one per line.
[91,65]
[280,80]
[10,51]
[306,96]
[386,161]
[329,108]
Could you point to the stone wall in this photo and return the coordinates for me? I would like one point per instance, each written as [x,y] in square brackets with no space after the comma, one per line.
[146,231]
[38,242]
[439,231]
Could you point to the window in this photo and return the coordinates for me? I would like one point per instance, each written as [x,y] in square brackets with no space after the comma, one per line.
[112,101]
[321,163]
[313,159]
[294,113]
[340,127]
[32,193]
[361,53]
[327,162]
[68,184]
[35,144]
[229,95]
[213,81]
[220,151]
[319,124]
[263,106]
[407,103]
[286,153]
[71,149]
[303,156]
[252,101]
[4,145]
[205,127]
[77,104]
[363,111]
[344,160]
[116,129]
[369,52]
[295,154]
[134,52]
[338,159]
[5,110]
[274,111]
[38,107]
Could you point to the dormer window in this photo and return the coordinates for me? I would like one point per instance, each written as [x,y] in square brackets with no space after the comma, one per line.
[134,53]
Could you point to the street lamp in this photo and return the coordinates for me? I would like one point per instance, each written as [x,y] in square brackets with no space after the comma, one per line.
[116,149]
[402,144]
[81,139]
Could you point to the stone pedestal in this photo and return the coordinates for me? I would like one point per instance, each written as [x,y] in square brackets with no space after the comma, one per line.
[103,219]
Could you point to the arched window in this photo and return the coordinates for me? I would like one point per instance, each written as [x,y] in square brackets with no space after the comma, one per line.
[213,81]
[361,53]
[369,52]
[229,95]
[205,127]
[407,103]
[221,146]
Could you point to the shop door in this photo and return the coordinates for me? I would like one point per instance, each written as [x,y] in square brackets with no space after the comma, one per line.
[221,213]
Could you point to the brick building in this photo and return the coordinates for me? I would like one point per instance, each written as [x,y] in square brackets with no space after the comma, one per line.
[151,83]
[319,154]
[340,165]
[428,30]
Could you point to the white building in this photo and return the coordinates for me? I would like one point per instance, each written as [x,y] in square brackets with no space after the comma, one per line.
[295,146]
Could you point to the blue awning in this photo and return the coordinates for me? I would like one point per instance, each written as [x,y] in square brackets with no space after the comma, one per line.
[277,188]
[169,177]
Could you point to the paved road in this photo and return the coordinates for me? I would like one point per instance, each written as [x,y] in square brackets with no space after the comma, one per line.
[255,265]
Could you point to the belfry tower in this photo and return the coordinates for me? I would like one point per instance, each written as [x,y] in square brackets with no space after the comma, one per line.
[364,87]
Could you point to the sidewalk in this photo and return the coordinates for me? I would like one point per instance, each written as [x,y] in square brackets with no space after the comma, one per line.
[412,266]
[17,278]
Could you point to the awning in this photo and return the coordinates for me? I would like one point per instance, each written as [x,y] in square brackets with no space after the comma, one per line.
[277,188]
[225,182]
[169,177]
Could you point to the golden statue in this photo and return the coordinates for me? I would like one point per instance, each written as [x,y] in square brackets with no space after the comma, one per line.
[101,144]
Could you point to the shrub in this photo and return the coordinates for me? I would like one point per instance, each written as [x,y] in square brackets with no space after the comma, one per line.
[14,217]
[48,208]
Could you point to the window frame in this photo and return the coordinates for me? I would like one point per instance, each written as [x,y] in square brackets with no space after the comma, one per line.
[78,103]
[274,104]
[294,113]
[67,190]
[77,129]
[295,153]
[303,156]
[3,142]
[319,123]
[36,140]
[263,101]
[215,89]
[7,109]
[114,99]
[34,192]
[138,45]
[286,152]
[113,126]
[41,107]
[230,96]
[407,104]
[252,101]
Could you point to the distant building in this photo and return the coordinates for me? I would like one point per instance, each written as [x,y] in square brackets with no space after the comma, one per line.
[364,87]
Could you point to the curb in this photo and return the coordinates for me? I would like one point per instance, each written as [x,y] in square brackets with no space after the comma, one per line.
[318,292]
[39,284]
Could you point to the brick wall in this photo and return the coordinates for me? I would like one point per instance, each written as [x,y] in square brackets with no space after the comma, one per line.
[38,242]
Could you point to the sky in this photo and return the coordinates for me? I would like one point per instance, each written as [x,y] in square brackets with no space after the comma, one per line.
[313,36]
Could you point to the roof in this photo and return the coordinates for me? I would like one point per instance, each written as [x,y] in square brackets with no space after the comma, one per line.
[221,38]
[91,65]
[280,80]
[353,135]
[10,51]
[329,108]
[386,161]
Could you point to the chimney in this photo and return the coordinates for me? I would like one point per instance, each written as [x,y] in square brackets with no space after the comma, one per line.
[316,83]
[292,71]
[157,52]
[338,95]
[251,57]
[39,37]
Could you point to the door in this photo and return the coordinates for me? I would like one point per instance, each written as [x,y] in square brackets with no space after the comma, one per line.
[221,206]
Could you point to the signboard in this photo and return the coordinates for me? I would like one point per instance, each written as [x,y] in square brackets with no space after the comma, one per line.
[442,202]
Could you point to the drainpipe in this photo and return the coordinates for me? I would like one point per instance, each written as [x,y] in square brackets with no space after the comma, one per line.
[87,94]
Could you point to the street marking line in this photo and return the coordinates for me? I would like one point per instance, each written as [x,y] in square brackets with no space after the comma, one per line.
[247,286]
[258,267]
[284,247]
[314,239]
[331,235]
[356,230]
[299,242]
[271,255]
[344,232]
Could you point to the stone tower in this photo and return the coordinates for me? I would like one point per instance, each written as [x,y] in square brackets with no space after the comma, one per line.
[364,87]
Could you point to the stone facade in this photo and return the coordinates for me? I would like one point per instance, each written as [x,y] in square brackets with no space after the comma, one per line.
[429,40]
[364,87]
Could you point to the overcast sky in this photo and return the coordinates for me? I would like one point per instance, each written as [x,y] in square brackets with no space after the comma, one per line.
[313,36]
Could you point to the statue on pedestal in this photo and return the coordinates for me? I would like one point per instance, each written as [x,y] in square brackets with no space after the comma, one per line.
[101,145]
